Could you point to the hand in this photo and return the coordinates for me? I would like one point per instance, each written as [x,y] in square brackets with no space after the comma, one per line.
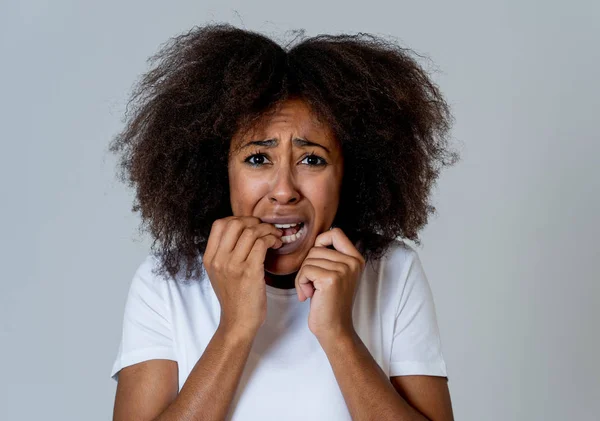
[329,277]
[234,261]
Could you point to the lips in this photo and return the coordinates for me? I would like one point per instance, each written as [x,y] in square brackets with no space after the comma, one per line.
[288,248]
[296,242]
[290,219]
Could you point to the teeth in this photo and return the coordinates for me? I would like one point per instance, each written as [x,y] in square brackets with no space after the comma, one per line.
[286,225]
[291,238]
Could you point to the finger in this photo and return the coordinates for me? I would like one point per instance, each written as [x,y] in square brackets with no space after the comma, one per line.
[311,278]
[232,232]
[329,254]
[354,263]
[260,247]
[304,291]
[248,238]
[214,237]
[339,241]
[326,264]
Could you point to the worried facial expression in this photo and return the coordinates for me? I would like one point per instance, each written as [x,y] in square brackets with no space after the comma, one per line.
[288,171]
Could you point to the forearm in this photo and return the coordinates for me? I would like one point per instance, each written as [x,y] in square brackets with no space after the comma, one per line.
[367,390]
[211,385]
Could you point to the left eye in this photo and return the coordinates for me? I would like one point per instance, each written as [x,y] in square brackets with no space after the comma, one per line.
[314,160]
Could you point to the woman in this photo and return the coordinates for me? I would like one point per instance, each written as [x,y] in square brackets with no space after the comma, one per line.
[275,182]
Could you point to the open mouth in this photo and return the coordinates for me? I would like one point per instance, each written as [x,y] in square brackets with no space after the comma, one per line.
[291,232]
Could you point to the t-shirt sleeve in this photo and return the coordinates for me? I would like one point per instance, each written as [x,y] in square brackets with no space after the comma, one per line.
[416,345]
[147,332]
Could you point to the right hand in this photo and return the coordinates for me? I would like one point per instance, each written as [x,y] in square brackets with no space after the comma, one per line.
[234,261]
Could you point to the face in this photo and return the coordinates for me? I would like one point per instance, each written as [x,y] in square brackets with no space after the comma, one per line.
[287,170]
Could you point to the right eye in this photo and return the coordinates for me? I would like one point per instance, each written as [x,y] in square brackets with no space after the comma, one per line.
[256,160]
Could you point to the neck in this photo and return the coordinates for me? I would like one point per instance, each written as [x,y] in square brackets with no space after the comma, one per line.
[281,281]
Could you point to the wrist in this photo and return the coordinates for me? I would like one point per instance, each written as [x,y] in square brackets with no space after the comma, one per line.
[337,338]
[236,333]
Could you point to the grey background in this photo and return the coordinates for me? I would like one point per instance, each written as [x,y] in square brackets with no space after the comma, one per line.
[511,255]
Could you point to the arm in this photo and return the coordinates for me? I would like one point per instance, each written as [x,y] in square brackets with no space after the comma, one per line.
[371,395]
[329,277]
[206,394]
[428,394]
[234,261]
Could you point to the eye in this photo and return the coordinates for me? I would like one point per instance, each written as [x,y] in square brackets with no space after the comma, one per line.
[259,159]
[315,160]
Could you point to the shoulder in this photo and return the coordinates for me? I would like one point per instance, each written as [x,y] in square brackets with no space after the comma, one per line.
[149,277]
[146,283]
[151,271]
[397,274]
[400,250]
[152,283]
[397,260]
[147,268]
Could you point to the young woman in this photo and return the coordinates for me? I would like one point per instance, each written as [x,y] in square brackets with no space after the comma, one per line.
[276,183]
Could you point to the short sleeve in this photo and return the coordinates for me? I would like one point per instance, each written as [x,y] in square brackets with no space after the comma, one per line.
[416,345]
[147,332]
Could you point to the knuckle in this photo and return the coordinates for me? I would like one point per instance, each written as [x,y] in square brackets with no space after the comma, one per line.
[236,223]
[247,233]
[251,230]
[342,267]
[237,270]
[248,271]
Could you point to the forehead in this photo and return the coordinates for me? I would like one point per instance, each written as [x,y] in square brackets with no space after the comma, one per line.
[293,116]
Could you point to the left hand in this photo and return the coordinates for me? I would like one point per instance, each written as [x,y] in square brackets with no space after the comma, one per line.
[329,277]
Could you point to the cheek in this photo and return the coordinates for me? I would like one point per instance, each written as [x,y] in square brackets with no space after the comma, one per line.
[324,197]
[244,193]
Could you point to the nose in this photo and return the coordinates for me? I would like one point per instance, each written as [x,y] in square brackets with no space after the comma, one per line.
[284,190]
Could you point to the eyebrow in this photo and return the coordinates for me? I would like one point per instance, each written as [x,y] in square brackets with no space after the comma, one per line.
[271,143]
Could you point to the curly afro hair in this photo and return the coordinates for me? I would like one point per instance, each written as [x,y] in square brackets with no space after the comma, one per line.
[207,84]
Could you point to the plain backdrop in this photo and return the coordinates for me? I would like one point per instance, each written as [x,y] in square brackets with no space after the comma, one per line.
[512,254]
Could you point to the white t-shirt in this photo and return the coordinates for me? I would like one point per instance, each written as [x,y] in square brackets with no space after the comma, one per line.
[393,314]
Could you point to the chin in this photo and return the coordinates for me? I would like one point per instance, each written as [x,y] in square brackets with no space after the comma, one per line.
[282,264]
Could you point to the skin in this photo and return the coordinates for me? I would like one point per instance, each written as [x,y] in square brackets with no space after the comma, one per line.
[287,179]
[325,269]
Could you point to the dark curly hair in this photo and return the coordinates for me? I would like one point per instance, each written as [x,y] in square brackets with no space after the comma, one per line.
[213,81]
